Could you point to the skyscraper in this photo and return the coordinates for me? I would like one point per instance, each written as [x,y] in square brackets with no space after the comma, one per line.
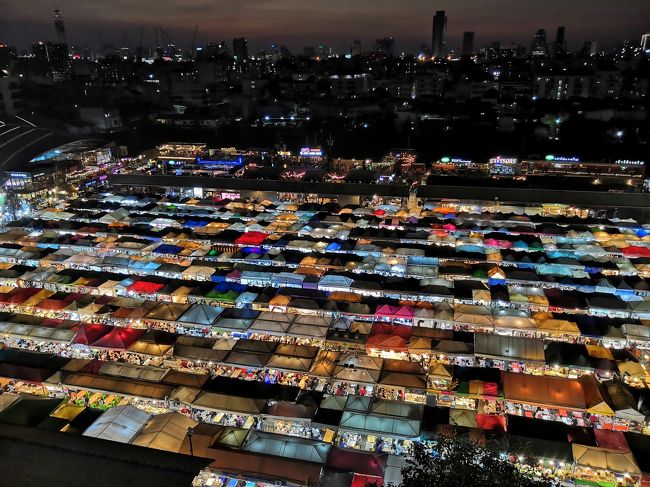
[645,43]
[539,46]
[356,48]
[559,47]
[589,48]
[468,43]
[439,33]
[240,48]
[59,26]
[385,45]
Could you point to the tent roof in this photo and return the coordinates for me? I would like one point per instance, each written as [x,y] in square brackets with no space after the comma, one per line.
[605,459]
[120,424]
[287,447]
[227,403]
[544,390]
[165,432]
[508,347]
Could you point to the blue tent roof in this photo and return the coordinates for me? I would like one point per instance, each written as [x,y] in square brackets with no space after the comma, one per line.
[168,249]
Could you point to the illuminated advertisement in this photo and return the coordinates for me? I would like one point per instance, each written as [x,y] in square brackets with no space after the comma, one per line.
[551,157]
[311,152]
[227,163]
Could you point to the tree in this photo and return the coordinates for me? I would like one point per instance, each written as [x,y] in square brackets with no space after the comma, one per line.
[458,462]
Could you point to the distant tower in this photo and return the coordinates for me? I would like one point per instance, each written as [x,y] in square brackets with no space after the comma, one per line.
[356,48]
[645,43]
[539,46]
[468,43]
[560,41]
[240,48]
[59,26]
[439,33]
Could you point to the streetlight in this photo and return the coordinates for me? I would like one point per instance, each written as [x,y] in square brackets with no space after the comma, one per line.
[190,432]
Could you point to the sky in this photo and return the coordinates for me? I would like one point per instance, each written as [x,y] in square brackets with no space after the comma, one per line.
[299,23]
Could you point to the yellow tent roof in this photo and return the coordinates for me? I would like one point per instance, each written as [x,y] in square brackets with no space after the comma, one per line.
[562,327]
[605,459]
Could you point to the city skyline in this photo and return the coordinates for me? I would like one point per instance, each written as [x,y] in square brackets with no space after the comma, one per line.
[335,22]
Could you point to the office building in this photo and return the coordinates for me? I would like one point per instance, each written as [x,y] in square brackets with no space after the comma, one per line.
[439,33]
[59,26]
[356,48]
[240,48]
[589,49]
[385,45]
[559,46]
[645,43]
[468,43]
[539,46]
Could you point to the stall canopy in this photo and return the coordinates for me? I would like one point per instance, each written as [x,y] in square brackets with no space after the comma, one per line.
[227,403]
[553,391]
[201,315]
[164,432]
[508,348]
[287,447]
[605,459]
[119,338]
[121,424]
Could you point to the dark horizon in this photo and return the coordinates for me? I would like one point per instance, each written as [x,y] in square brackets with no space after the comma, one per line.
[334,22]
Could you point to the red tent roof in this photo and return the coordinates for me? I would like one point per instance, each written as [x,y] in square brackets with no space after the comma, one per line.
[394,343]
[403,331]
[145,287]
[251,238]
[357,462]
[88,334]
[52,304]
[364,480]
[17,296]
[491,422]
[614,440]
[119,338]
[636,250]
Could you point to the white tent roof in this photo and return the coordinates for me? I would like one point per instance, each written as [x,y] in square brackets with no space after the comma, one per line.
[121,424]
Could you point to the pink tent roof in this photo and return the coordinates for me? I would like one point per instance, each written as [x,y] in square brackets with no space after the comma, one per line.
[386,310]
[405,312]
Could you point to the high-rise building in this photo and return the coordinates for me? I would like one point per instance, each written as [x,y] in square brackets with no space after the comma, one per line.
[356,48]
[559,47]
[439,33]
[589,48]
[468,43]
[39,50]
[309,51]
[645,43]
[240,48]
[385,45]
[59,26]
[7,56]
[539,46]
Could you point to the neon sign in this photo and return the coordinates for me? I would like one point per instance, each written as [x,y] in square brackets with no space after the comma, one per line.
[311,152]
[551,157]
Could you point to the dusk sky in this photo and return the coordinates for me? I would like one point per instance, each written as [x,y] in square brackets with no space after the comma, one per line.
[297,23]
